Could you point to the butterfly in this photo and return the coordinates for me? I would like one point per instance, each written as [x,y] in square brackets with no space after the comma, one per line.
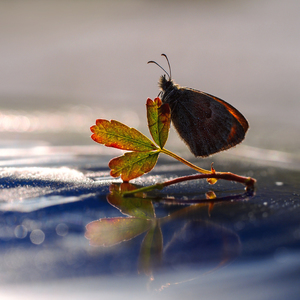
[207,124]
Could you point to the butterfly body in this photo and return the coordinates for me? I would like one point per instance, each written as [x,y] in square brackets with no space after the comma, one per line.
[206,123]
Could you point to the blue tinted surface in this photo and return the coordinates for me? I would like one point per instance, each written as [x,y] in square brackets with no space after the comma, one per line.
[42,234]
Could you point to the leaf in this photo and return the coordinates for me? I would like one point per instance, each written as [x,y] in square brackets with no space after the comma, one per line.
[131,206]
[133,164]
[159,118]
[151,251]
[111,231]
[115,134]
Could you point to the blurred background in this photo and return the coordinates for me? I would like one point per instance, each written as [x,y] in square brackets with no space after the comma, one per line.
[63,64]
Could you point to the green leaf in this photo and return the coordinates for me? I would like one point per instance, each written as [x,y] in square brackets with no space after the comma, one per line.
[111,231]
[133,164]
[131,206]
[159,118]
[115,134]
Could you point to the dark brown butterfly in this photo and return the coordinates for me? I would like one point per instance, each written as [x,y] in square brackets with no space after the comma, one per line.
[206,123]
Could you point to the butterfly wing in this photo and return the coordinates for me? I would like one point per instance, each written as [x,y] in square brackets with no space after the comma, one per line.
[206,123]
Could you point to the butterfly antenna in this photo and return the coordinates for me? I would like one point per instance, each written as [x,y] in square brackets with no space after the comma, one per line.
[154,62]
[168,64]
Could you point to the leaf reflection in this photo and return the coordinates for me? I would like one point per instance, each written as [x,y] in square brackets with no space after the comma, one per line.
[140,217]
[111,231]
[132,206]
[195,240]
[151,251]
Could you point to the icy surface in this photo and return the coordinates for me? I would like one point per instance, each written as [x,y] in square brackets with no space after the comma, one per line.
[31,188]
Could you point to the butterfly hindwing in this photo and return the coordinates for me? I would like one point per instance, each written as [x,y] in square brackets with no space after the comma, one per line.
[206,123]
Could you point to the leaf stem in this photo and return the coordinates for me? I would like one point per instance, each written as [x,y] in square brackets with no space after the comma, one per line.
[203,171]
[248,181]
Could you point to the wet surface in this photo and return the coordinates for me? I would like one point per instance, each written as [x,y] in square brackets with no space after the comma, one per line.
[45,210]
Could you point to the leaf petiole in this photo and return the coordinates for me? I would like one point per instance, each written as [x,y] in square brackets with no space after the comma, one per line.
[167,152]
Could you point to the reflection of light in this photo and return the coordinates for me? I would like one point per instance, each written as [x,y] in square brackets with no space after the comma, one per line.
[43,121]
[37,236]
[17,123]
[62,229]
[20,232]
[30,225]
[74,119]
